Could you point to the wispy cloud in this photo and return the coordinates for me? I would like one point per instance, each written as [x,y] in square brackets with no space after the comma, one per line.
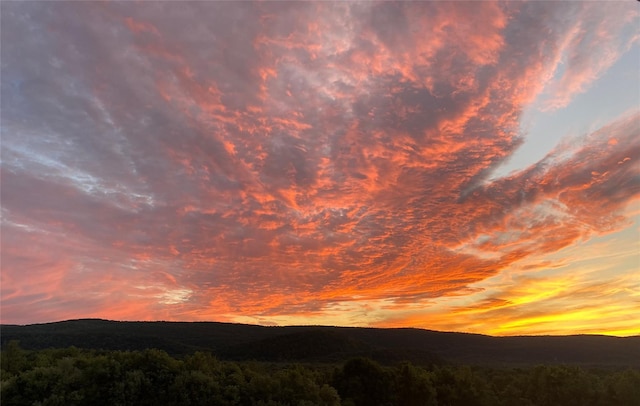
[593,42]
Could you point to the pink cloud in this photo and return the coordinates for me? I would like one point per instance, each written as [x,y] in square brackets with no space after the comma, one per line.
[594,41]
[272,161]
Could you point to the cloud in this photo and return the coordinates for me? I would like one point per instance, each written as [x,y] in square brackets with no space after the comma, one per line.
[225,161]
[579,289]
[593,42]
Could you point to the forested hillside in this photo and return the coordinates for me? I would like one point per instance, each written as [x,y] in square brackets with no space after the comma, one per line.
[74,376]
[328,344]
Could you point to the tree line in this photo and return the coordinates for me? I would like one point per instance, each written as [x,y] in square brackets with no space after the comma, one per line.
[75,376]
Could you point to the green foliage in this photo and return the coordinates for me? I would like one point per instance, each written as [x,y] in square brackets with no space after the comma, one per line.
[463,386]
[624,388]
[414,386]
[150,377]
[363,382]
[553,385]
[13,358]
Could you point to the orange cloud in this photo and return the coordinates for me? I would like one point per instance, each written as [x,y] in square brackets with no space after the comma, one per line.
[328,161]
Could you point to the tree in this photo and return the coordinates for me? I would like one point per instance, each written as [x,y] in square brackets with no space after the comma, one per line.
[363,382]
[625,388]
[414,386]
[13,358]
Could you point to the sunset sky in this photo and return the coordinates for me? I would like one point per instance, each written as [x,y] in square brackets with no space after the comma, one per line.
[444,165]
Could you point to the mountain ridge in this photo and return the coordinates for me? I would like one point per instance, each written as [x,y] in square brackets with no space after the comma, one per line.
[315,343]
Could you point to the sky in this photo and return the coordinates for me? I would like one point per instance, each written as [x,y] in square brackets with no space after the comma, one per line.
[456,166]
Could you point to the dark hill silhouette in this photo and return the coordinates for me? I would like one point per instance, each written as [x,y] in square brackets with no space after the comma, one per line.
[315,344]
[328,344]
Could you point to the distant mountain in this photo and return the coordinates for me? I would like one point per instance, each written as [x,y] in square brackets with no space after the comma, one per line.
[328,344]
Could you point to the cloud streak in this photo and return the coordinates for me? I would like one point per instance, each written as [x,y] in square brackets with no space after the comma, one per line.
[235,160]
